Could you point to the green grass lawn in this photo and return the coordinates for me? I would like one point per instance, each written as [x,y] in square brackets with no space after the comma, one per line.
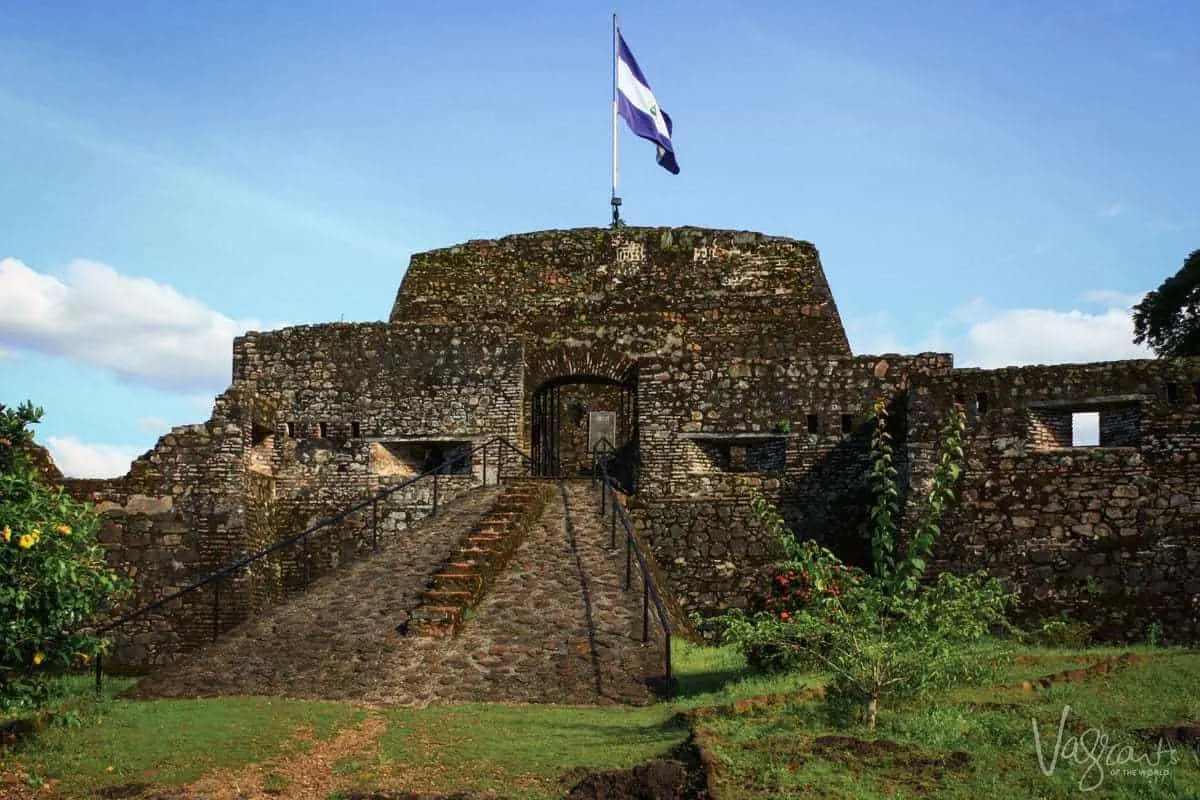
[970,742]
[979,742]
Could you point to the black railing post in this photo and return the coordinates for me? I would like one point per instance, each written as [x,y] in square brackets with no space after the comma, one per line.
[612,545]
[645,608]
[628,559]
[99,674]
[670,683]
[603,487]
[433,513]
[304,555]
[216,614]
[375,525]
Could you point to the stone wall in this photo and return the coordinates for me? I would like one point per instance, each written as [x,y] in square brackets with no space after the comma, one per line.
[380,381]
[177,516]
[207,495]
[1109,533]
[800,427]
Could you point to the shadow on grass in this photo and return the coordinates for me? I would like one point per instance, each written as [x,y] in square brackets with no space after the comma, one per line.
[700,683]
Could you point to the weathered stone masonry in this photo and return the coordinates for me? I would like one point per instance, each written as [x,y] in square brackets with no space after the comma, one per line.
[713,355]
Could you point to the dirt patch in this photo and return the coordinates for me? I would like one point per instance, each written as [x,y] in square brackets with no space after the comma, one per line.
[1187,734]
[300,775]
[121,791]
[899,764]
[885,751]
[415,796]
[1105,667]
[655,780]
[681,774]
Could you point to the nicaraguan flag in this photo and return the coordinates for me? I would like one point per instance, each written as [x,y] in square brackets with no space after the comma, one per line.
[636,103]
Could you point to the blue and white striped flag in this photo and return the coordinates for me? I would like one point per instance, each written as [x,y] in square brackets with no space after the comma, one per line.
[636,104]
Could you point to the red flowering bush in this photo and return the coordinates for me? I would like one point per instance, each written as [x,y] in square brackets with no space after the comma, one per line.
[792,587]
[817,585]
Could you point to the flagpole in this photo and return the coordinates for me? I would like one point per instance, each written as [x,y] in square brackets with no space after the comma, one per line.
[616,201]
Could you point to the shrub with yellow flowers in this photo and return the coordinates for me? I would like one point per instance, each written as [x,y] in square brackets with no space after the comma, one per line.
[53,576]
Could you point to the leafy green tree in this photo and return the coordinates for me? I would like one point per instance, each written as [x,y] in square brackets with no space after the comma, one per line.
[53,576]
[884,634]
[1168,318]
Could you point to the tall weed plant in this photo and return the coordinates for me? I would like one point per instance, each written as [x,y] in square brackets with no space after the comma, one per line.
[887,632]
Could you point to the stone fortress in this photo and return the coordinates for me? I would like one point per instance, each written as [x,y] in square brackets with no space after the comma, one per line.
[704,356]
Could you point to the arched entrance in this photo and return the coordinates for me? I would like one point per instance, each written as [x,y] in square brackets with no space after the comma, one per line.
[574,416]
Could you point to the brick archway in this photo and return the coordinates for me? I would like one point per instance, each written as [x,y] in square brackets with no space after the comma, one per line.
[553,361]
[572,417]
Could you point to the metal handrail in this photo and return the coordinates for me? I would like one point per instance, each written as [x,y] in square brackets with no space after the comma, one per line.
[214,578]
[649,592]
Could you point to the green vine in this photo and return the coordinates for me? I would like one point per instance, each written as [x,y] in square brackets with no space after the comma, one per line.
[885,506]
[946,472]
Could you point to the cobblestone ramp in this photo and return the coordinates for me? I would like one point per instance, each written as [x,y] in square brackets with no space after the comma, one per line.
[337,633]
[556,627]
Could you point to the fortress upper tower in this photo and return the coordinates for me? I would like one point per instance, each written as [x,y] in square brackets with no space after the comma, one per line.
[713,287]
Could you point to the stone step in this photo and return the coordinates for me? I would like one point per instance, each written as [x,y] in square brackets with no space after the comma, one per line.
[436,621]
[446,597]
[484,553]
[470,582]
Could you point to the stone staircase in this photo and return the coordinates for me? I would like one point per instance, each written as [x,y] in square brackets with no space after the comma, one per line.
[485,551]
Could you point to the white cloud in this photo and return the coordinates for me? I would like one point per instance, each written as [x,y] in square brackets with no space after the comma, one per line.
[1043,336]
[79,459]
[980,336]
[141,330]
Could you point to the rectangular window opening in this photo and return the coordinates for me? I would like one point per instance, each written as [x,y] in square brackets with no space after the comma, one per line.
[291,429]
[1172,392]
[813,426]
[323,428]
[405,459]
[259,434]
[847,423]
[355,430]
[1085,429]
[981,403]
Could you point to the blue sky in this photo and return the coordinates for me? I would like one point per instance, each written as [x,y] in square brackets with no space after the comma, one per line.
[997,180]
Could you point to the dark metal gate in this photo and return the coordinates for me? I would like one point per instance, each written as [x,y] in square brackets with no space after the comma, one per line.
[545,432]
[547,420]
